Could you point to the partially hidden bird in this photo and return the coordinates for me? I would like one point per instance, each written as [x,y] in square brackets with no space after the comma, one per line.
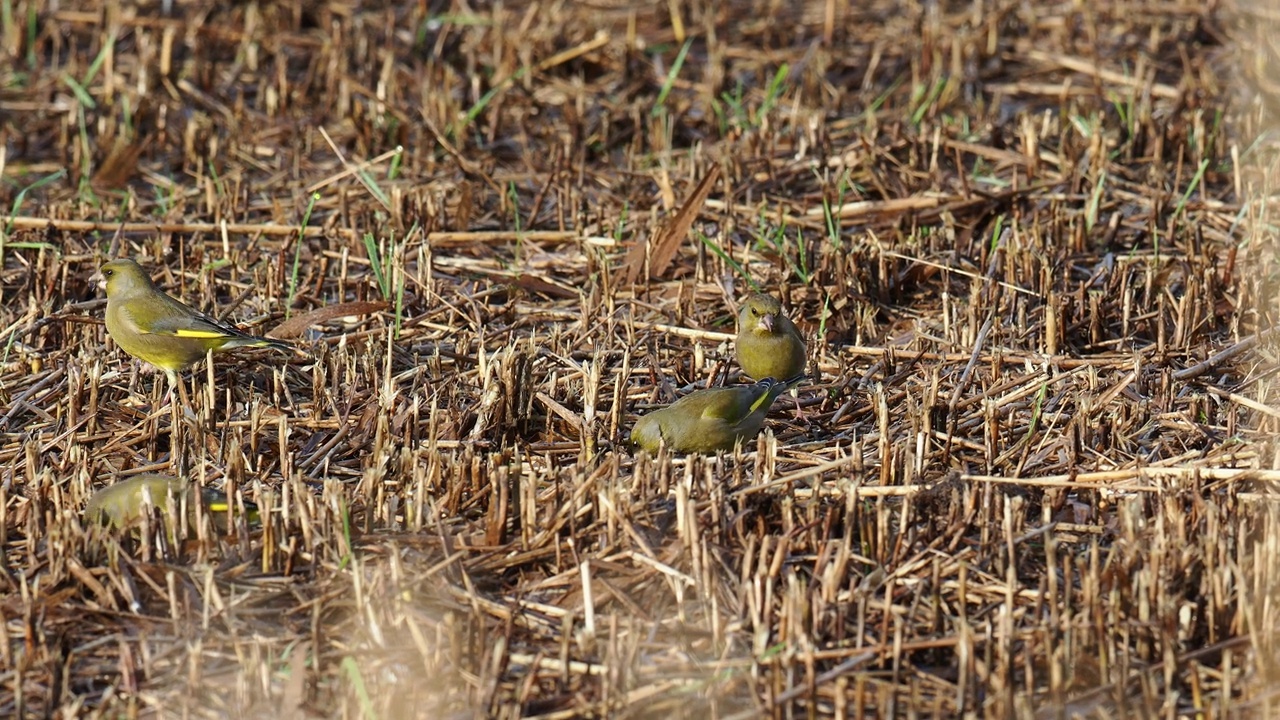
[161,330]
[124,503]
[768,344]
[712,419]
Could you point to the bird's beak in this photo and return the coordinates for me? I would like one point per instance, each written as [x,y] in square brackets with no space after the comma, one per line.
[98,280]
[766,322]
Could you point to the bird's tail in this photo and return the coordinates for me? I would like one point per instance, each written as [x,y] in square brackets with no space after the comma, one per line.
[795,380]
[253,341]
[217,502]
[774,388]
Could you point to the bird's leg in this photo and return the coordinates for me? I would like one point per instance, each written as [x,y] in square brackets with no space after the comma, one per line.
[795,383]
[155,410]
[144,368]
[168,393]
[800,416]
[170,401]
[185,400]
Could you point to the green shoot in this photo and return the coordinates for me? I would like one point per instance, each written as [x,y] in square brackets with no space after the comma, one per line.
[297,254]
[1095,202]
[672,74]
[394,171]
[354,676]
[775,91]
[375,261]
[484,101]
[917,117]
[737,267]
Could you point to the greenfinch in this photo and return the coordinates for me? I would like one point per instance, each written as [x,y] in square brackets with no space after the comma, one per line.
[156,328]
[768,343]
[709,420]
[124,503]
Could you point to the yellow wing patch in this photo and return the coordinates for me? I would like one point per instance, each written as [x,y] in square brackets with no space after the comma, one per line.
[201,334]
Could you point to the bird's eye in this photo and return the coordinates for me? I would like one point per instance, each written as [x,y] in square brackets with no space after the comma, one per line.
[108,273]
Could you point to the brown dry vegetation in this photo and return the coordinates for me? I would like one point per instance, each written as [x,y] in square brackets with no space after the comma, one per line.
[1029,243]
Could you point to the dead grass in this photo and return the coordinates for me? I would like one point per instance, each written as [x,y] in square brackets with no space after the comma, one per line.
[1030,243]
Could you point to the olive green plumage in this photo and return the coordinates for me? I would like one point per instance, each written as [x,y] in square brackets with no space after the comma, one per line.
[768,344]
[124,503]
[709,420]
[152,326]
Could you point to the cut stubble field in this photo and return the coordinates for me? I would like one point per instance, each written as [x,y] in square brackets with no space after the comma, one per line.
[1029,247]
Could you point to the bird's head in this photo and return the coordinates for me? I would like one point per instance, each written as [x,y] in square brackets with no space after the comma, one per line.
[123,276]
[760,313]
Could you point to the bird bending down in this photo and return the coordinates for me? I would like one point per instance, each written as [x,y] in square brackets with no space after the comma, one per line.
[709,420]
[124,503]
